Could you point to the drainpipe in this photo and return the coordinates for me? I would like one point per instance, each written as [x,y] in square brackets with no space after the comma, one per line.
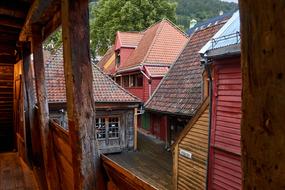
[207,65]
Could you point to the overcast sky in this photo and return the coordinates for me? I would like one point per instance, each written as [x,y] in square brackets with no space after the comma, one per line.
[236,1]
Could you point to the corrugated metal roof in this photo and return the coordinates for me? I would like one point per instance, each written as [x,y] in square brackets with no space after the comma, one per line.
[229,34]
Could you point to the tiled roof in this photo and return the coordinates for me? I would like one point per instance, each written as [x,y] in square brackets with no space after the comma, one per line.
[105,89]
[107,63]
[156,71]
[209,22]
[160,44]
[129,39]
[180,92]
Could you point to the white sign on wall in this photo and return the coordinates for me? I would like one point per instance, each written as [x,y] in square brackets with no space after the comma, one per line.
[185,153]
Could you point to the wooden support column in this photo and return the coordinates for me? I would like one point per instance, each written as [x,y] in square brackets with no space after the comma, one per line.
[135,128]
[43,116]
[30,99]
[79,92]
[263,95]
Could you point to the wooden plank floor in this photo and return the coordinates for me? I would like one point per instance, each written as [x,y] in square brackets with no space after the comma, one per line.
[14,174]
[151,162]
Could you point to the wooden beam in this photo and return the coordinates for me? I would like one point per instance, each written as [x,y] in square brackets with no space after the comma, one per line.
[135,128]
[11,22]
[263,92]
[36,11]
[52,25]
[43,117]
[80,100]
[7,49]
[7,59]
[6,37]
[12,12]
[31,136]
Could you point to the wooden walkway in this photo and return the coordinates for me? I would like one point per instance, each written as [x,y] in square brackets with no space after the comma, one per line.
[14,174]
[151,163]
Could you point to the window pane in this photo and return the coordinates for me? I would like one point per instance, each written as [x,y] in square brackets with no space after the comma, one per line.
[139,80]
[113,127]
[100,128]
[126,81]
[131,80]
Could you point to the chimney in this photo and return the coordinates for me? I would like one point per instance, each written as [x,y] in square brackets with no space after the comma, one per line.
[193,22]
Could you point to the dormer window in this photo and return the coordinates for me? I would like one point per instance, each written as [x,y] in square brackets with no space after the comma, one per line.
[118,59]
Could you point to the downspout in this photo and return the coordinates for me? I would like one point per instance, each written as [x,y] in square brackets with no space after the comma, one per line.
[207,65]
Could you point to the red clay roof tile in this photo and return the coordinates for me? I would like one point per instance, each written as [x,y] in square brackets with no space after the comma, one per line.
[180,92]
[105,89]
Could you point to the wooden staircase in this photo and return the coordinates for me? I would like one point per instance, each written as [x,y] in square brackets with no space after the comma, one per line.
[6,107]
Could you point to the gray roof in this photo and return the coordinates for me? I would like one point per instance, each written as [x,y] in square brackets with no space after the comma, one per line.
[228,35]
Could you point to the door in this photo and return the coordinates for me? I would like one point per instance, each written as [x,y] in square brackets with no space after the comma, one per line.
[108,131]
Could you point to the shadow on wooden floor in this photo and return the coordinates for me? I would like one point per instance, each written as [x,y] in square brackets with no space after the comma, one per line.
[15,174]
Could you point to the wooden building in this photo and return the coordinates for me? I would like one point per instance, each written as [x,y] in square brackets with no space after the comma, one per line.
[25,126]
[140,62]
[25,24]
[116,108]
[180,93]
[190,152]
[222,57]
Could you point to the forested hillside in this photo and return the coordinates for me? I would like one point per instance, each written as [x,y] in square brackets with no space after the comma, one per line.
[200,10]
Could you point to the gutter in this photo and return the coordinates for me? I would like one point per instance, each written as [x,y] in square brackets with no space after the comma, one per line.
[207,65]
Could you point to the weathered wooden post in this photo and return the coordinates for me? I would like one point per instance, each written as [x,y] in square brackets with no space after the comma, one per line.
[30,98]
[46,140]
[80,102]
[263,102]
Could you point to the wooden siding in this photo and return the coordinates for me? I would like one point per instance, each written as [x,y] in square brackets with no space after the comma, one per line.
[154,83]
[191,173]
[6,107]
[225,146]
[63,156]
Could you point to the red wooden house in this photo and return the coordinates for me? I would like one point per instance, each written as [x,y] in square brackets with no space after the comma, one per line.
[143,58]
[180,93]
[222,56]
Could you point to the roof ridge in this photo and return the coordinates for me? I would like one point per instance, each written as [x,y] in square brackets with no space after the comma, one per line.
[158,30]
[112,81]
[176,27]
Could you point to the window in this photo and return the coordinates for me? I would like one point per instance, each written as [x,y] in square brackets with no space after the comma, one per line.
[107,127]
[113,127]
[135,80]
[118,59]
[126,81]
[139,80]
[118,80]
[100,128]
[131,81]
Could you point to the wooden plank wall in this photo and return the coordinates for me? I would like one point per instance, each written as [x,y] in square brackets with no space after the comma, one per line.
[63,156]
[190,173]
[6,107]
[225,164]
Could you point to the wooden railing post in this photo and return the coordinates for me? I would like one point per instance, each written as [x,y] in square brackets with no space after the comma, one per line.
[79,93]
[47,149]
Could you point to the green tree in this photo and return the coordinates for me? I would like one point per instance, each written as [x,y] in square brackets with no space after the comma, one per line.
[110,16]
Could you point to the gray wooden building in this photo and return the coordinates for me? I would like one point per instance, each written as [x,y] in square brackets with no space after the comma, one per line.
[116,108]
